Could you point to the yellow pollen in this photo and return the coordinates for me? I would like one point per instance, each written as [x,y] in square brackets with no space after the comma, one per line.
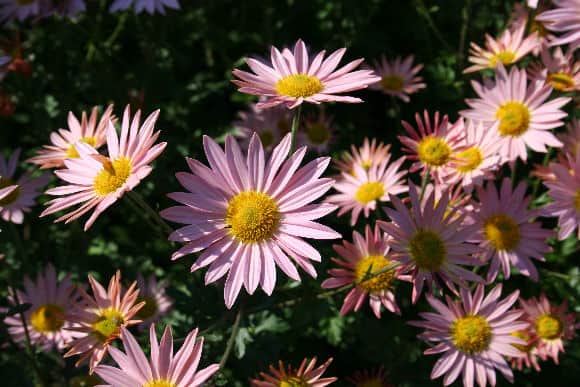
[299,85]
[108,325]
[293,381]
[112,176]
[47,318]
[266,137]
[12,196]
[526,337]
[317,134]
[252,216]
[561,81]
[502,232]
[392,82]
[514,119]
[537,26]
[577,200]
[469,159]
[368,192]
[369,266]
[471,334]
[148,310]
[374,382]
[366,164]
[433,151]
[72,153]
[505,57]
[427,250]
[549,327]
[160,383]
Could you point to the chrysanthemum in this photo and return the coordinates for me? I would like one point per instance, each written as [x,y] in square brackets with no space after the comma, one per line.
[522,16]
[49,301]
[364,190]
[563,18]
[557,69]
[97,181]
[369,154]
[551,325]
[529,351]
[430,241]
[270,124]
[473,334]
[63,141]
[505,230]
[367,256]
[150,6]
[398,77]
[164,369]
[316,132]
[18,9]
[249,214]
[525,119]
[292,78]
[431,146]
[157,302]
[571,137]
[507,50]
[306,375]
[370,378]
[101,317]
[458,201]
[17,195]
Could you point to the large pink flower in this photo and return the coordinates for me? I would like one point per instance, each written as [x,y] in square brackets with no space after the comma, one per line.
[293,78]
[249,214]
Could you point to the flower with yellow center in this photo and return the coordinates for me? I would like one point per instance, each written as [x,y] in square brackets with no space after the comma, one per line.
[504,57]
[469,159]
[392,82]
[371,191]
[293,381]
[252,216]
[317,133]
[72,153]
[373,267]
[525,336]
[399,77]
[561,81]
[108,325]
[514,119]
[160,383]
[427,250]
[369,378]
[471,334]
[112,177]
[299,86]
[47,318]
[549,327]
[433,151]
[502,232]
[306,375]
[13,195]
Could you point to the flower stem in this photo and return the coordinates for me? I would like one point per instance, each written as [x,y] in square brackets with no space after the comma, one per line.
[424,183]
[232,339]
[149,212]
[295,123]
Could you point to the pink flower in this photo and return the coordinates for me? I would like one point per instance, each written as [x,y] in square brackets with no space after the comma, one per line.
[529,351]
[17,9]
[563,18]
[270,124]
[559,70]
[522,16]
[150,6]
[163,369]
[157,302]
[571,138]
[370,378]
[369,154]
[305,375]
[316,132]
[398,77]
[473,334]
[293,79]
[249,214]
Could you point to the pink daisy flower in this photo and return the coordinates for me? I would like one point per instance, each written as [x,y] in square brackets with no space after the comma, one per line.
[551,325]
[364,190]
[63,141]
[164,369]
[99,319]
[507,50]
[367,256]
[525,119]
[149,6]
[369,154]
[557,69]
[522,16]
[398,77]
[97,181]
[529,351]
[249,214]
[17,195]
[18,9]
[473,334]
[505,231]
[270,124]
[306,375]
[316,132]
[292,78]
[50,300]
[563,18]
[429,240]
[458,201]
[157,302]
[571,138]
[370,378]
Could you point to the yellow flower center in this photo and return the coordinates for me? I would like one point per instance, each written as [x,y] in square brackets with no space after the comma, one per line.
[433,151]
[47,318]
[317,134]
[12,196]
[370,265]
[561,81]
[266,137]
[299,85]
[160,383]
[252,216]
[505,57]
[149,309]
[108,325]
[368,192]
[537,26]
[469,159]
[514,118]
[392,82]
[84,381]
[374,382]
[577,200]
[427,250]
[293,381]
[526,337]
[112,176]
[72,153]
[366,164]
[502,232]
[471,334]
[549,327]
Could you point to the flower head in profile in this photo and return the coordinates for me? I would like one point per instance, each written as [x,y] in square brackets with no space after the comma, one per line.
[157,302]
[525,118]
[50,300]
[563,18]
[271,125]
[368,256]
[472,334]
[149,6]
[316,132]
[100,318]
[369,154]
[250,214]
[17,195]
[95,181]
[559,70]
[505,231]
[19,10]
[163,369]
[370,378]
[307,375]
[398,77]
[292,78]
[88,130]
[429,240]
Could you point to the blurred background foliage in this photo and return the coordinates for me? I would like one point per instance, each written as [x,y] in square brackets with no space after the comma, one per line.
[181,63]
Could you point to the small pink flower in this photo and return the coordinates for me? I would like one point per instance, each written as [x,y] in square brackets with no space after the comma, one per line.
[316,132]
[157,302]
[370,378]
[305,375]
[559,70]
[271,125]
[369,154]
[563,18]
[398,77]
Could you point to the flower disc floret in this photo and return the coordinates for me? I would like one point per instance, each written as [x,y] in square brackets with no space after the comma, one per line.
[294,381]
[108,324]
[12,196]
[47,318]
[505,57]
[369,266]
[524,335]
[72,153]
[427,250]
[502,232]
[514,118]
[469,159]
[549,327]
[252,216]
[561,81]
[317,133]
[471,334]
[434,151]
[369,192]
[299,85]
[112,176]
[392,82]
[160,383]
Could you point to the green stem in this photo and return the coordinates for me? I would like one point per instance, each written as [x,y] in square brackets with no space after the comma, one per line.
[424,12]
[463,33]
[232,339]
[120,24]
[295,124]
[150,212]
[424,183]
